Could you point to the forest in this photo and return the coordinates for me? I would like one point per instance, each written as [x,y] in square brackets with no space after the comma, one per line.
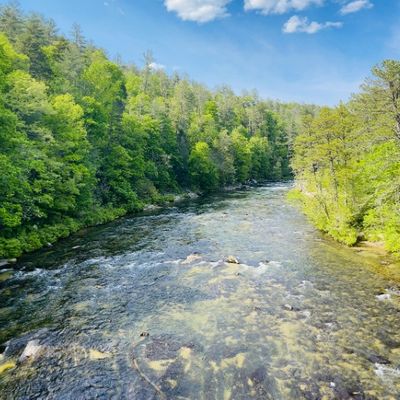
[347,163]
[85,139]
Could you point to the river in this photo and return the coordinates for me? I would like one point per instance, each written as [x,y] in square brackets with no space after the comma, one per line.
[146,308]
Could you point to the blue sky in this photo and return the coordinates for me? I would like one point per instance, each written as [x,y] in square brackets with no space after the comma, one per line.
[315,51]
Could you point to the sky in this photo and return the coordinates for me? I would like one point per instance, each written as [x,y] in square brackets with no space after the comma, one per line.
[311,51]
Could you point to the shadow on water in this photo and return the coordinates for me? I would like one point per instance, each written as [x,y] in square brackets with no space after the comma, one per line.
[146,307]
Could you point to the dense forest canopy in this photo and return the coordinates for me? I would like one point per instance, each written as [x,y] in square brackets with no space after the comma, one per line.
[84,140]
[347,163]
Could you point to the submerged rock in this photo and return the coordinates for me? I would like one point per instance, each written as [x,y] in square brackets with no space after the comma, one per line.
[96,355]
[164,347]
[377,359]
[191,258]
[15,347]
[259,375]
[6,366]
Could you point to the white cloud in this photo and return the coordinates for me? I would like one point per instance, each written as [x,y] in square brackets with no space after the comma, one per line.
[198,10]
[279,6]
[156,67]
[355,6]
[302,24]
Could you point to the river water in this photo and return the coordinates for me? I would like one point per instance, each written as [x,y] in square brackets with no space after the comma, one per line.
[146,308]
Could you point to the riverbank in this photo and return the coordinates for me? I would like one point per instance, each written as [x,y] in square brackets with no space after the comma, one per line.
[47,236]
[386,262]
[355,239]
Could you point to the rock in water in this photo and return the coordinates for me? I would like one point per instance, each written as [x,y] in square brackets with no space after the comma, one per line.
[232,260]
[191,258]
[192,195]
[4,263]
[383,297]
[32,351]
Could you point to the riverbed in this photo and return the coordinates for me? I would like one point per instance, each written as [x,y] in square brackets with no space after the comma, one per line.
[148,307]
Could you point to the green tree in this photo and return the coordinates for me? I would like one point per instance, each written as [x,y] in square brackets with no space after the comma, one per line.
[223,158]
[242,156]
[260,157]
[203,172]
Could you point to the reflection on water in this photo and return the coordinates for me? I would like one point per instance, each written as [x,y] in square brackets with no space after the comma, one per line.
[147,308]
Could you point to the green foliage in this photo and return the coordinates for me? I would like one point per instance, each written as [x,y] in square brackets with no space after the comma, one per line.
[259,157]
[347,163]
[84,140]
[241,156]
[224,159]
[203,172]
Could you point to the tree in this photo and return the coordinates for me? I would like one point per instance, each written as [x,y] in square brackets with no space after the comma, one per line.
[242,156]
[35,36]
[203,172]
[223,158]
[379,102]
[69,151]
[260,157]
[11,21]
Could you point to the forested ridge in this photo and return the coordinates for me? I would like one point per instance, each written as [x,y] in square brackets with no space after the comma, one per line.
[347,163]
[84,140]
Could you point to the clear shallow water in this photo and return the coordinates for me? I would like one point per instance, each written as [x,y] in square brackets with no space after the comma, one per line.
[146,308]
